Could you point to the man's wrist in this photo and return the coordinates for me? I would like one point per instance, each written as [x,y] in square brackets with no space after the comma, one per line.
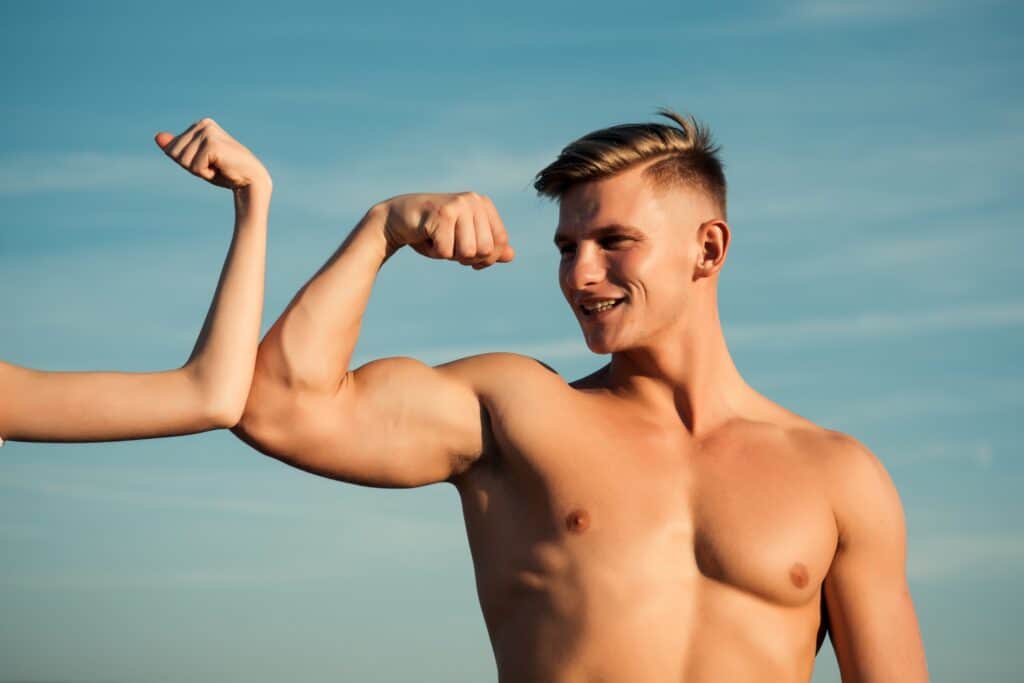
[375,222]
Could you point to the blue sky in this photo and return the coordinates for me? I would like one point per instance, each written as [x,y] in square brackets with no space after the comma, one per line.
[873,285]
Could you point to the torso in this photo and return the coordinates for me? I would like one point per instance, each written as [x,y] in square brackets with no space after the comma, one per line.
[609,547]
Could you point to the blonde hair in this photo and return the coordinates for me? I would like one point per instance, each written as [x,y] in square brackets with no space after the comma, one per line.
[683,153]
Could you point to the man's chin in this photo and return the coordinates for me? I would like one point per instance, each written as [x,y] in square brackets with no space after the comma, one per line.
[601,346]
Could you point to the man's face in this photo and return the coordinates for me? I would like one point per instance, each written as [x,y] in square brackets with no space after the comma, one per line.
[628,252]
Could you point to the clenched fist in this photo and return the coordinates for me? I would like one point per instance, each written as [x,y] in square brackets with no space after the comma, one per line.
[206,150]
[463,227]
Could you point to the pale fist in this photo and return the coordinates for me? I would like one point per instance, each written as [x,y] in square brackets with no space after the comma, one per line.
[463,227]
[206,150]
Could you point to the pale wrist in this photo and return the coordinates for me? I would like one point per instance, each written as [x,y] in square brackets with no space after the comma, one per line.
[255,195]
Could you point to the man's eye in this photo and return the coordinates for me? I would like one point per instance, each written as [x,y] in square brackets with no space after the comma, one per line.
[613,241]
[566,249]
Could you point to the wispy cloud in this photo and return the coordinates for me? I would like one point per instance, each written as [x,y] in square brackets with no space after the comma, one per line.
[870,182]
[116,301]
[334,193]
[21,531]
[81,171]
[979,452]
[847,10]
[899,404]
[983,555]
[879,326]
[906,255]
[152,496]
[198,577]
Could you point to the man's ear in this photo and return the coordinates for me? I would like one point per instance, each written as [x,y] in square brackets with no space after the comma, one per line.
[712,245]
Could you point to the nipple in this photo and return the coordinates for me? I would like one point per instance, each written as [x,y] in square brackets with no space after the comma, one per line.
[577,521]
[798,575]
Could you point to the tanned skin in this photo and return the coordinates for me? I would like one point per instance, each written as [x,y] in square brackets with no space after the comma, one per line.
[207,392]
[658,520]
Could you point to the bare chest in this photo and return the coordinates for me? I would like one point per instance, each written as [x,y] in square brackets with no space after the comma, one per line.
[650,509]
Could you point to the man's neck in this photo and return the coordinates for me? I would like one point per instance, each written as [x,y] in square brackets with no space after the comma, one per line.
[686,374]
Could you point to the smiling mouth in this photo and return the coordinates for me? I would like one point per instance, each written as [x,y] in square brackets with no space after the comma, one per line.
[594,309]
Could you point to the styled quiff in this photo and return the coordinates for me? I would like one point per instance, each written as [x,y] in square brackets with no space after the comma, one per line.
[683,154]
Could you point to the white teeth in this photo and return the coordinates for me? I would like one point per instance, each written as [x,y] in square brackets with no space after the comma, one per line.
[599,307]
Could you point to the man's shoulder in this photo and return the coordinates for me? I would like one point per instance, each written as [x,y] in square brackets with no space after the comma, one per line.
[808,437]
[491,373]
[845,456]
[856,480]
[842,456]
[501,362]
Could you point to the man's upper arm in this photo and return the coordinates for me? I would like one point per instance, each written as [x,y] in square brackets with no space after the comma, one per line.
[394,422]
[872,622]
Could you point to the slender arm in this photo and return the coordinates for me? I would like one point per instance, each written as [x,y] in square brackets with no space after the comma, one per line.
[210,389]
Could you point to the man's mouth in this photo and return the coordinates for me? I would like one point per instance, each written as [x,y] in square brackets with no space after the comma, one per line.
[592,308]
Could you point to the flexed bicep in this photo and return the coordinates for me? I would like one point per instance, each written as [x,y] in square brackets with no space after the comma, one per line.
[394,423]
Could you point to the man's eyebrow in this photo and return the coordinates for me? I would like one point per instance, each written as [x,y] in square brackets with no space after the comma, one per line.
[603,231]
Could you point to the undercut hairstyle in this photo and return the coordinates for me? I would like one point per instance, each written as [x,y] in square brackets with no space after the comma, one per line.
[679,154]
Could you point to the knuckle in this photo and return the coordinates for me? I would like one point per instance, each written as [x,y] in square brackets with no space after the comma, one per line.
[442,242]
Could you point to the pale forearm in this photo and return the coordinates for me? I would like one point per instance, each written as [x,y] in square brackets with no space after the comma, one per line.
[208,392]
[221,364]
[101,406]
[210,389]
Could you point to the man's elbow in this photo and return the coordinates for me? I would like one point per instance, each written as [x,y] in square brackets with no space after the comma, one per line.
[264,413]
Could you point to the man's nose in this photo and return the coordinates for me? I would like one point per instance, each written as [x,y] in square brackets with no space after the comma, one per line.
[587,268]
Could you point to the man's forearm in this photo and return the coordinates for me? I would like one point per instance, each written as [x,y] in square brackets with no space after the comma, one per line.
[311,345]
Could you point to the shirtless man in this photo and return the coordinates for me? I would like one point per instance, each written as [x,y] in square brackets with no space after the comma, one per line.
[658,520]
